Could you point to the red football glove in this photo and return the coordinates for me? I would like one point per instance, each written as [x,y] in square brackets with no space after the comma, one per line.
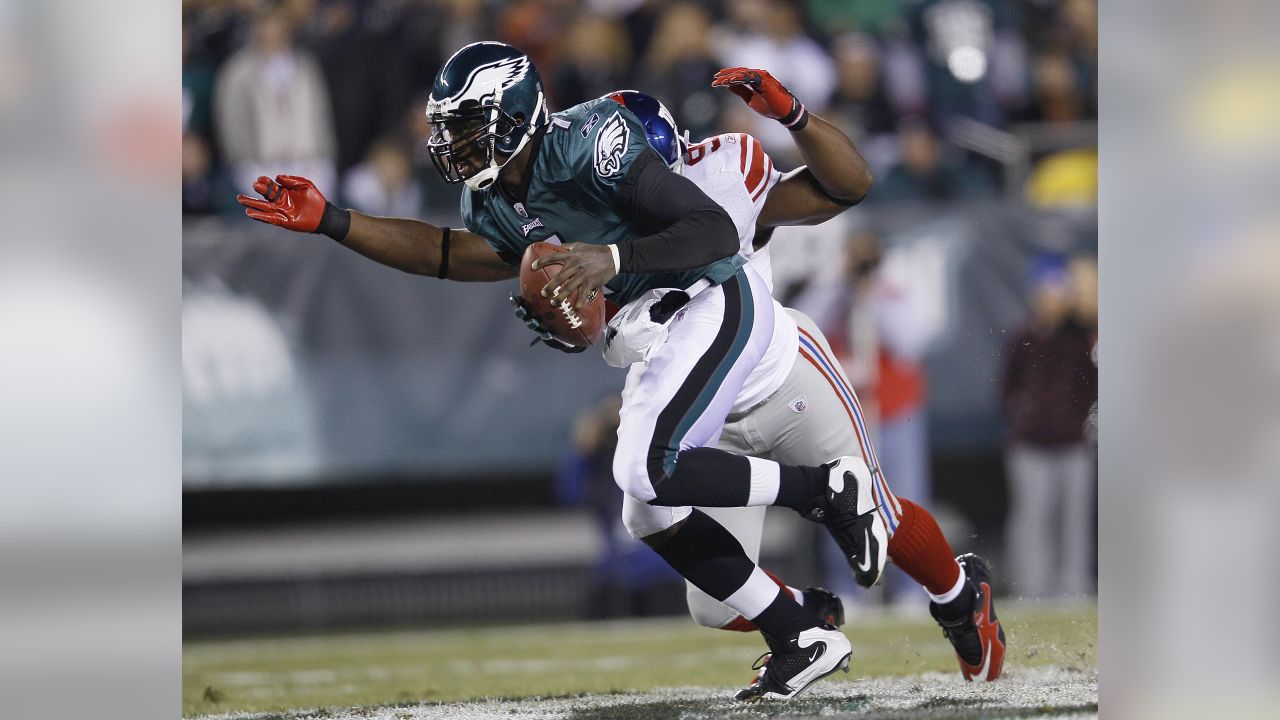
[764,94]
[291,202]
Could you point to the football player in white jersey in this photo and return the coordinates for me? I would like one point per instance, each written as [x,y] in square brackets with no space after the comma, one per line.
[811,411]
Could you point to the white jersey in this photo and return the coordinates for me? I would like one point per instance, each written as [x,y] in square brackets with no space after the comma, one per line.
[734,170]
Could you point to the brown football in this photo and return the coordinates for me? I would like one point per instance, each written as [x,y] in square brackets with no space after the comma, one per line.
[574,327]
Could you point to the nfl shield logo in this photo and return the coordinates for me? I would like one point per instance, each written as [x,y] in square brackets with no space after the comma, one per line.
[519,207]
[800,404]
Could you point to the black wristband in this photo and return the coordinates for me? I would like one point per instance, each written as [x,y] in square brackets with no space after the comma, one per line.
[443,272]
[797,118]
[335,222]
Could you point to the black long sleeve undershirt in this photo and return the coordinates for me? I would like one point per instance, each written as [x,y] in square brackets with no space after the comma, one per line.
[692,229]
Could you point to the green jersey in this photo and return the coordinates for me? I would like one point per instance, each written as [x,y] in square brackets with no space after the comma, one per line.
[578,165]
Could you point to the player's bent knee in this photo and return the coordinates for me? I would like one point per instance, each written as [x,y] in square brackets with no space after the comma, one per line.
[630,473]
[706,610]
[643,521]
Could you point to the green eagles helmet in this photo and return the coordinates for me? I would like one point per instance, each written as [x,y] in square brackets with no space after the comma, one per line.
[486,103]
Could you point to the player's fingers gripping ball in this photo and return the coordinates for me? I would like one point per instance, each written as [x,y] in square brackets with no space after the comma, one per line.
[764,94]
[584,268]
[574,315]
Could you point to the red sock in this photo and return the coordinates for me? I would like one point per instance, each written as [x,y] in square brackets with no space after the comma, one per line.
[741,624]
[919,548]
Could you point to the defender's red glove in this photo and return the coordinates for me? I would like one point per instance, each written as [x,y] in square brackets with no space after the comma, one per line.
[764,94]
[295,203]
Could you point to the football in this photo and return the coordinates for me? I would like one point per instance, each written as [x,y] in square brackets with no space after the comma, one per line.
[578,328]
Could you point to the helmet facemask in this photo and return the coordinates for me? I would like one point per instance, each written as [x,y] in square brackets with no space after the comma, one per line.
[462,145]
[678,166]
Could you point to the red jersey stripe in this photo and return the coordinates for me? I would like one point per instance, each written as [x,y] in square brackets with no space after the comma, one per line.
[756,171]
[768,176]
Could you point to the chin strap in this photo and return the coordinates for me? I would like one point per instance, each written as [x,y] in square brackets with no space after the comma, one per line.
[483,179]
[678,166]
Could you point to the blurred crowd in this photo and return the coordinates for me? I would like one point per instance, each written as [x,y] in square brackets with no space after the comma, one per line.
[336,89]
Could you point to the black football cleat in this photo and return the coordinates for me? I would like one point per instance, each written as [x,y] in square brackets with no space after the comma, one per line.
[825,604]
[848,509]
[787,670]
[977,635]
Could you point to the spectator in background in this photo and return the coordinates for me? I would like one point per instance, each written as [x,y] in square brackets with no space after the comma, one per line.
[923,174]
[771,34]
[641,19]
[1066,179]
[1050,382]
[371,55]
[679,64]
[272,109]
[595,60]
[861,101]
[881,346]
[1073,35]
[1057,95]
[975,59]
[383,184]
[1083,274]
[198,155]
[537,28]
[630,578]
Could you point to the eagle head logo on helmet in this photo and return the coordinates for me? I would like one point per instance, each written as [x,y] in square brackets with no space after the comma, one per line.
[485,104]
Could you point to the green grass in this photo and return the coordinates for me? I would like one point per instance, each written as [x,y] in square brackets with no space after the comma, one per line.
[282,674]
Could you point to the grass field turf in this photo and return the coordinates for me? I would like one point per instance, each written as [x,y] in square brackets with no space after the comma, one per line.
[388,674]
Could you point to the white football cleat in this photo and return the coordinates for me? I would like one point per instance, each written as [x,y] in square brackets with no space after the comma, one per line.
[805,659]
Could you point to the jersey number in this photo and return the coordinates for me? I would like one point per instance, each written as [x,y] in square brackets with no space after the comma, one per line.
[697,152]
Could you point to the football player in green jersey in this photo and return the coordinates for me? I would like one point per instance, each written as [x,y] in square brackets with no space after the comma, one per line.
[587,178]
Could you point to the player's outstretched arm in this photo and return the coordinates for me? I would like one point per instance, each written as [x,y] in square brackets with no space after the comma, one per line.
[410,245]
[418,247]
[836,175]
